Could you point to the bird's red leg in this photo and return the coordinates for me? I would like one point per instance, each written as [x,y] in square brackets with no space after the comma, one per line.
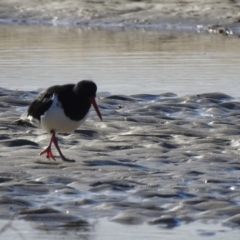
[48,150]
[54,140]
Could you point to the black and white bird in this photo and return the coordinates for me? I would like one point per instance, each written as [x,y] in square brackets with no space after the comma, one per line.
[62,109]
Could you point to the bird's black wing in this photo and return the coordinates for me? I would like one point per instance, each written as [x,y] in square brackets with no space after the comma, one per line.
[42,102]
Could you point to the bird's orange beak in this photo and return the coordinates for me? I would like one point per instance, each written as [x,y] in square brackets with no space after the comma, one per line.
[93,102]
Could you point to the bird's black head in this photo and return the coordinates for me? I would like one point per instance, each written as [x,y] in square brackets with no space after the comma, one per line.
[86,88]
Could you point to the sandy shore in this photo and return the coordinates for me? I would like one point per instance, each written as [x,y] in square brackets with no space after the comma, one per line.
[125,12]
[156,159]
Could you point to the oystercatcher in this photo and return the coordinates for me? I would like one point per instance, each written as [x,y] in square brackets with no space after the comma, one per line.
[62,109]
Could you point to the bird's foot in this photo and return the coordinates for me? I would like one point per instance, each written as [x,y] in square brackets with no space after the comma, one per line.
[48,151]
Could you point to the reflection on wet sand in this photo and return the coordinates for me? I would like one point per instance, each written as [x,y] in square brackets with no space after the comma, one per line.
[105,230]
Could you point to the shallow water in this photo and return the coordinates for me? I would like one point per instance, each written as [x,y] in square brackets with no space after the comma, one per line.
[119,61]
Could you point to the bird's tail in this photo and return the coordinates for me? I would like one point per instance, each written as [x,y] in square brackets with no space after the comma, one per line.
[23,120]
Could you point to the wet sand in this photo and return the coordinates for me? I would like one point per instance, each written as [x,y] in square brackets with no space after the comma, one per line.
[160,160]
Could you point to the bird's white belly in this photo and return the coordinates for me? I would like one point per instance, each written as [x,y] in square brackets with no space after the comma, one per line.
[55,119]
